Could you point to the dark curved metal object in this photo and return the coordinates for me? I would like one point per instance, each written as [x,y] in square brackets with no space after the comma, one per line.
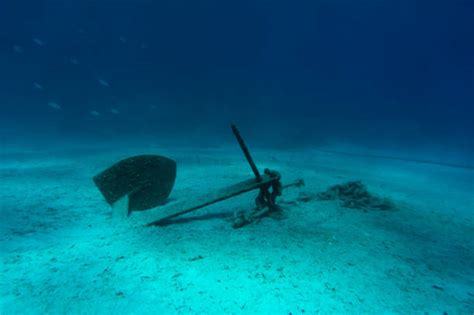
[146,179]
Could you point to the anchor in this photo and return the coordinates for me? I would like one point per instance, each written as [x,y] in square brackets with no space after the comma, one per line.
[137,188]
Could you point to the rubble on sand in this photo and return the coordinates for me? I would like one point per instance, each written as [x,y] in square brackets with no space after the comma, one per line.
[355,195]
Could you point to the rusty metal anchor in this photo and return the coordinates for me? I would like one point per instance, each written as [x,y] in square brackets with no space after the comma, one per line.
[268,184]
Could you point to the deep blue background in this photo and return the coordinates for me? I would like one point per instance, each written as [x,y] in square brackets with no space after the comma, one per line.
[296,72]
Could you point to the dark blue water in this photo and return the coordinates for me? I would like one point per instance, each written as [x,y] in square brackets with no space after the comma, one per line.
[379,73]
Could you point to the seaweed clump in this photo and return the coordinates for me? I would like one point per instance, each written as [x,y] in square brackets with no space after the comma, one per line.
[355,195]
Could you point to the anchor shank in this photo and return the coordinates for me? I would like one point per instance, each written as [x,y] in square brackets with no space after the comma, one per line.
[160,214]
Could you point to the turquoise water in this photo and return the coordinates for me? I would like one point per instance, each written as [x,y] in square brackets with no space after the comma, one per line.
[332,92]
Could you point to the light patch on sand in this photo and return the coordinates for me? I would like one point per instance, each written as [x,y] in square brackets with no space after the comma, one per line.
[114,111]
[74,61]
[94,113]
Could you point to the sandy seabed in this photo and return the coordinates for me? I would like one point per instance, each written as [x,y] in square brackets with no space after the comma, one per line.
[62,254]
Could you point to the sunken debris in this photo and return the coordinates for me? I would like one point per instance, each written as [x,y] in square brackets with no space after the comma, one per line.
[355,195]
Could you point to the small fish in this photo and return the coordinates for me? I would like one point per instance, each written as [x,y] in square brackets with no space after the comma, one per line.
[74,61]
[54,105]
[114,111]
[38,86]
[94,113]
[104,83]
[38,41]
[18,49]
[123,39]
